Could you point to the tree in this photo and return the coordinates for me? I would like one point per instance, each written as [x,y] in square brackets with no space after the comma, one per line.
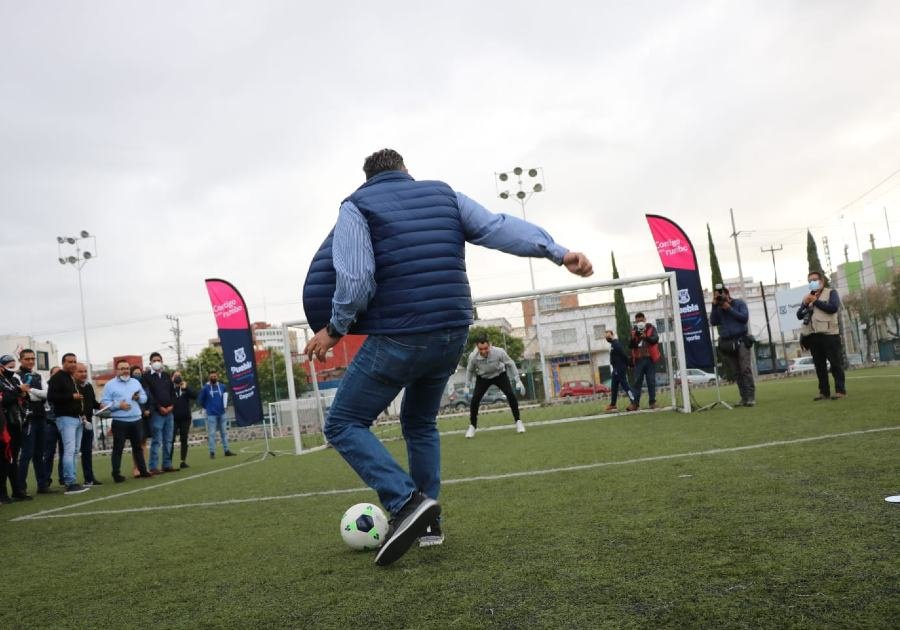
[196,369]
[713,260]
[623,320]
[514,346]
[870,305]
[812,257]
[273,361]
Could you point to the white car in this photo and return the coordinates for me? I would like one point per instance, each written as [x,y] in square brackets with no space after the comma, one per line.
[697,377]
[801,365]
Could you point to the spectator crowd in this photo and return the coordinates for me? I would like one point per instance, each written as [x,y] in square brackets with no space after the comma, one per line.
[42,421]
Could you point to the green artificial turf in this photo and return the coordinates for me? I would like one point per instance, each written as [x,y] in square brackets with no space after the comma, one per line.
[638,520]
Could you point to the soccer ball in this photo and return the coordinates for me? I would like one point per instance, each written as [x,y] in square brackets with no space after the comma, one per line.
[364,526]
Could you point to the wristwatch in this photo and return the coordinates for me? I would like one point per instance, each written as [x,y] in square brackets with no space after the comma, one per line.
[332,331]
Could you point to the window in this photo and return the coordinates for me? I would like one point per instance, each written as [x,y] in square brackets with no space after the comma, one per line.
[600,331]
[42,360]
[549,302]
[564,335]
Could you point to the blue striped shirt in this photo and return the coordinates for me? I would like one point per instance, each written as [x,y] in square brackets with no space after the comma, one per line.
[354,258]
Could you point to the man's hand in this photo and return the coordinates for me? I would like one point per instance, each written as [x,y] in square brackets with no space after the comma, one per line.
[77,396]
[25,388]
[809,299]
[163,411]
[578,263]
[726,305]
[319,345]
[124,405]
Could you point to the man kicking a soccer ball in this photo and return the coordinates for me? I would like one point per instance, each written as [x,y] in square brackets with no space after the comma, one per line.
[394,269]
[491,366]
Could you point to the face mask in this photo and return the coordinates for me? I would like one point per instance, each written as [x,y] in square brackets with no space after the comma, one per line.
[9,368]
[213,380]
[177,380]
[813,285]
[124,378]
[156,365]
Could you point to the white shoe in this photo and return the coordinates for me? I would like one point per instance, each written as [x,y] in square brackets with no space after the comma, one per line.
[470,432]
[520,427]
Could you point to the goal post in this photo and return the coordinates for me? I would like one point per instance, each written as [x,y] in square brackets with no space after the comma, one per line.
[570,336]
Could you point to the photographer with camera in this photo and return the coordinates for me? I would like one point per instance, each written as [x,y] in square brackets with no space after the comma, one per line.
[644,355]
[731,316]
[821,336]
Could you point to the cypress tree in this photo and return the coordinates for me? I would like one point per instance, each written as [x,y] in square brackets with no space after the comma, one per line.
[812,256]
[713,260]
[623,320]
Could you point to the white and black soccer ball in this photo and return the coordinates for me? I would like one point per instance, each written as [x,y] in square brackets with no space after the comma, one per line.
[364,526]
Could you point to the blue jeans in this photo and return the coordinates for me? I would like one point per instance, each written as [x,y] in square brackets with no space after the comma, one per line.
[644,369]
[162,428]
[70,429]
[422,363]
[33,437]
[213,424]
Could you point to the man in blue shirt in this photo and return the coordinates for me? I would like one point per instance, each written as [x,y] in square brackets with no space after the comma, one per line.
[124,396]
[394,269]
[731,316]
[212,400]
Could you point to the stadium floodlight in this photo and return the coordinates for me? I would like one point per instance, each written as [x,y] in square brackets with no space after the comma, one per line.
[78,259]
[523,194]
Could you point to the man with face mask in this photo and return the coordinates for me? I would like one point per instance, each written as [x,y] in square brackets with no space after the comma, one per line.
[161,393]
[36,434]
[212,400]
[124,397]
[67,401]
[11,402]
[89,406]
[644,346]
[820,334]
[618,363]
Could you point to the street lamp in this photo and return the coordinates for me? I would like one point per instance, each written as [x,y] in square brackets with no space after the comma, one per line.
[79,260]
[529,182]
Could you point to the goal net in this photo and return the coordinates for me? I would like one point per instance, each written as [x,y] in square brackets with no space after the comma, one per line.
[556,336]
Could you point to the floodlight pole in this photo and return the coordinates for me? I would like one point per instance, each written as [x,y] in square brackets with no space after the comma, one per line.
[522,197]
[78,261]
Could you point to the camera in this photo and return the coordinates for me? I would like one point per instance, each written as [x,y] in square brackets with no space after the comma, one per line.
[639,328]
[719,299]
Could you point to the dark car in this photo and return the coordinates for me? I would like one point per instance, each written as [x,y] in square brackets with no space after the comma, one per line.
[764,366]
[581,388]
[459,400]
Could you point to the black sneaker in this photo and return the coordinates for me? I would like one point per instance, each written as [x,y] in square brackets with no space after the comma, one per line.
[184,465]
[118,478]
[230,454]
[433,536]
[76,488]
[409,523]
[212,455]
[21,496]
[96,483]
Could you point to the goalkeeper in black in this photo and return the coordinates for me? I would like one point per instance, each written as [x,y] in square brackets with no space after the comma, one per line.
[491,366]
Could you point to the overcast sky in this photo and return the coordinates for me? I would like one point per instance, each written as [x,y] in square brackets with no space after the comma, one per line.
[217,139]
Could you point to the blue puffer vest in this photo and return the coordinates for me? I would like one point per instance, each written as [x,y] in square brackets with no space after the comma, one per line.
[420,267]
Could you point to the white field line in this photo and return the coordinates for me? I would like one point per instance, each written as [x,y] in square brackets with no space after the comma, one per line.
[48,513]
[525,473]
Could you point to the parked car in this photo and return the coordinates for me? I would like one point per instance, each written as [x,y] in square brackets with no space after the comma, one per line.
[801,365]
[582,388]
[459,400]
[697,377]
[764,366]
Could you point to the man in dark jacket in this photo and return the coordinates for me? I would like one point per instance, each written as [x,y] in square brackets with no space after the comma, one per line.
[618,363]
[394,269]
[11,403]
[90,405]
[68,403]
[35,429]
[182,414]
[161,394]
[731,316]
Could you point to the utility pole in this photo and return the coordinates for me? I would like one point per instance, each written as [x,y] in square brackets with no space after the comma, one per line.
[872,240]
[176,330]
[772,251]
[890,241]
[737,249]
[827,253]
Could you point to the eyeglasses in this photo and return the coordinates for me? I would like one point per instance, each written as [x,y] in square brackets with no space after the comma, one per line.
[124,369]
